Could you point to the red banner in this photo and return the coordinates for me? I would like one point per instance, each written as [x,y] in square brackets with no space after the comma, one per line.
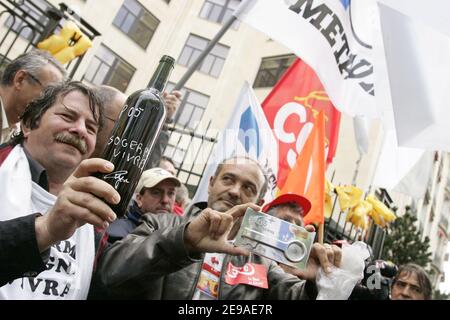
[252,274]
[290,109]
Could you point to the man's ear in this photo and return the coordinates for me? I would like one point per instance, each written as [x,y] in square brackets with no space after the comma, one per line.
[139,200]
[211,183]
[19,79]
[25,130]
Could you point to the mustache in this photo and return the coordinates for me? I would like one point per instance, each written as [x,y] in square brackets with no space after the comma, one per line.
[168,208]
[72,140]
[234,201]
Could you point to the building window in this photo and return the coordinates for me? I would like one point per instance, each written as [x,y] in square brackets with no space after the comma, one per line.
[219,10]
[137,22]
[193,105]
[108,68]
[25,23]
[271,70]
[213,62]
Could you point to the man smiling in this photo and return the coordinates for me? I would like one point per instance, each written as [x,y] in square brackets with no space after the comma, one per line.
[66,131]
[49,200]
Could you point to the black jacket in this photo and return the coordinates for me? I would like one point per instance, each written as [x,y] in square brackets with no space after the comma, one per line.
[19,253]
[152,263]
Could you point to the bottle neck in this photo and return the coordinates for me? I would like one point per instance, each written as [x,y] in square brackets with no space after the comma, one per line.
[161,76]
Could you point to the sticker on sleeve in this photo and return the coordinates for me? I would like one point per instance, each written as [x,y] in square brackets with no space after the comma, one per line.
[251,274]
[208,284]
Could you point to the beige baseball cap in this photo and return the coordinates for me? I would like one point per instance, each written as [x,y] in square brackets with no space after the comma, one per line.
[152,177]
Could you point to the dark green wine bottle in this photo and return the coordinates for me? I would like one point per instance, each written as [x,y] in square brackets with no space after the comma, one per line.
[135,134]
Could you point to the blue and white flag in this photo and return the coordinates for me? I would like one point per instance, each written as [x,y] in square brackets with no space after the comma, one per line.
[247,134]
[323,34]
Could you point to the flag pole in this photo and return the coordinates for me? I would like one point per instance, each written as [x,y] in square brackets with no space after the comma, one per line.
[320,233]
[355,174]
[180,84]
[380,149]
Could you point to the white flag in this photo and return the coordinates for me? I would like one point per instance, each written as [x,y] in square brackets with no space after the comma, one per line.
[321,33]
[247,134]
[434,13]
[401,169]
[418,65]
[415,182]
[361,129]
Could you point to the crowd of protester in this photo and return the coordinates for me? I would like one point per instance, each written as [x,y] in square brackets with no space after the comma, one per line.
[59,238]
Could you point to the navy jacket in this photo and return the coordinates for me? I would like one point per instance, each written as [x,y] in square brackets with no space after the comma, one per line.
[122,227]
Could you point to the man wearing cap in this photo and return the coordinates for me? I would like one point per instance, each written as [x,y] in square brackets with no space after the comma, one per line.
[289,207]
[292,208]
[155,193]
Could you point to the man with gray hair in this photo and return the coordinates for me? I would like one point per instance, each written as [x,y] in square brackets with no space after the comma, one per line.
[23,80]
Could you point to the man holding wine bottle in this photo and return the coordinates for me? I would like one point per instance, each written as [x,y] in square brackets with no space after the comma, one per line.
[49,200]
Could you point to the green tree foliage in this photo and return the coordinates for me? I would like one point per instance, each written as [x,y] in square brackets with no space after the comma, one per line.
[403,242]
[438,295]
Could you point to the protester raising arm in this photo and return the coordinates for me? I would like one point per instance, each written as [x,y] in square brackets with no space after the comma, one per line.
[163,258]
[82,200]
[24,241]
[164,244]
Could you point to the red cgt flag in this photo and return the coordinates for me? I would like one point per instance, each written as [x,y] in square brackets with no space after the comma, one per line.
[290,109]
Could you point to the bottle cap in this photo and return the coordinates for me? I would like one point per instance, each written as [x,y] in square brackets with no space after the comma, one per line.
[169,59]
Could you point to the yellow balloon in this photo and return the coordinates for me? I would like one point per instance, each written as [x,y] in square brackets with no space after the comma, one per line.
[329,189]
[349,196]
[61,45]
[380,214]
[70,53]
[358,214]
